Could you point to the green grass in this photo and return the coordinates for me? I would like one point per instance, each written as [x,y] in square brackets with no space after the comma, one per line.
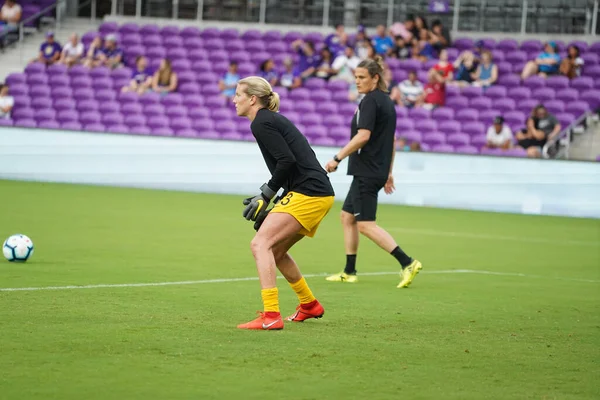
[450,336]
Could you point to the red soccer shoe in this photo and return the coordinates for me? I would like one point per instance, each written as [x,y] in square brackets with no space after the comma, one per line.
[307,311]
[266,321]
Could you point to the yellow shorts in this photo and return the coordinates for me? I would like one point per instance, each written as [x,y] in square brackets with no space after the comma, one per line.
[309,211]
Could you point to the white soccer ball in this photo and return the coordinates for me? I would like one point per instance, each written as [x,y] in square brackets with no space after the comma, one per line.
[17,248]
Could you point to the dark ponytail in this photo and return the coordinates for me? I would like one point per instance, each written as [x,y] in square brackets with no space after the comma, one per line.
[375,66]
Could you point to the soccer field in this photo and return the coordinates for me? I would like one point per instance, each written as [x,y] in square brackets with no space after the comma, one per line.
[507,306]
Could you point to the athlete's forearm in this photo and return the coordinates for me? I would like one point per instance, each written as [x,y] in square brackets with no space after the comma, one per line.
[357,142]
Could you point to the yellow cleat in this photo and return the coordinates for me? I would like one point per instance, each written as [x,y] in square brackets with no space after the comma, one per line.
[342,277]
[408,274]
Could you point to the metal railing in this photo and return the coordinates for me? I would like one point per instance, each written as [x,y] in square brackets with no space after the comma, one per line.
[510,16]
[22,26]
[552,147]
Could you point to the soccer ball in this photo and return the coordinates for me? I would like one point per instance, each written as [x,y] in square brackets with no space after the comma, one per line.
[17,248]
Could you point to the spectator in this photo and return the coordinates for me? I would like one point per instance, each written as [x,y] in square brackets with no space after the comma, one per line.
[309,59]
[112,53]
[423,50]
[499,135]
[382,42]
[324,69]
[371,52]
[164,80]
[444,67]
[405,30]
[362,43]
[402,145]
[290,78]
[410,90]
[10,15]
[434,93]
[95,57]
[344,65]
[547,63]
[49,50]
[141,77]
[72,51]
[6,102]
[420,23]
[340,47]
[440,36]
[401,49]
[465,66]
[267,71]
[229,82]
[487,72]
[392,85]
[337,41]
[571,65]
[541,126]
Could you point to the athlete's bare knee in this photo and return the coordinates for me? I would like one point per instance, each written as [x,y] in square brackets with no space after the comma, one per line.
[365,227]
[347,218]
[259,243]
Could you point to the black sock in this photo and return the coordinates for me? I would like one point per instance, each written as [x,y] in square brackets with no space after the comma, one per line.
[401,256]
[350,264]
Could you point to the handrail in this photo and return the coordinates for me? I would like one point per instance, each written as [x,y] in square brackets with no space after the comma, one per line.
[566,132]
[22,23]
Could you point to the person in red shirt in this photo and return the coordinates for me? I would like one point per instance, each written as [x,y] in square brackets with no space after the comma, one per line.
[434,93]
[444,67]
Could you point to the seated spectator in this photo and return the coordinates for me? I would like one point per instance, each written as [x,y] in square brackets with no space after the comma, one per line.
[440,36]
[229,82]
[402,145]
[6,102]
[112,53]
[49,50]
[464,66]
[571,65]
[444,67]
[405,30]
[324,68]
[362,43]
[164,80]
[141,77]
[336,41]
[309,59]
[392,85]
[434,93]
[487,72]
[541,126]
[401,49]
[267,71]
[420,23]
[382,42]
[10,15]
[344,65]
[290,78]
[423,50]
[547,63]
[499,135]
[95,57]
[371,52]
[410,90]
[72,52]
[340,46]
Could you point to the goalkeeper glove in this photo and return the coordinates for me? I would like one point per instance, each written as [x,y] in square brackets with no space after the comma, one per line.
[254,205]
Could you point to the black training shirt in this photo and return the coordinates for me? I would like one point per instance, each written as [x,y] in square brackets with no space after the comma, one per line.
[290,159]
[377,114]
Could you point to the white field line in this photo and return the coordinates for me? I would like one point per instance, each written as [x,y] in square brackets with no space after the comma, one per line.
[515,238]
[228,280]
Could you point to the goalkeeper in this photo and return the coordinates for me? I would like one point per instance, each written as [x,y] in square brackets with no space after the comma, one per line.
[307,198]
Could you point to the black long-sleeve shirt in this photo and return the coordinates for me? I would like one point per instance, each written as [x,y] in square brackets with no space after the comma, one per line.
[290,159]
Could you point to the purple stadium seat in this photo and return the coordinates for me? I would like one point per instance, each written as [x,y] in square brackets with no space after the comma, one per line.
[534,82]
[466,114]
[324,141]
[175,111]
[251,34]
[442,148]
[172,99]
[339,133]
[41,102]
[509,81]
[516,56]
[582,83]
[90,117]
[23,113]
[39,91]
[458,139]
[519,93]
[239,55]
[112,119]
[457,103]
[327,108]
[592,97]
[149,30]
[195,44]
[102,83]
[315,83]
[158,121]
[442,114]
[320,96]
[172,42]
[105,95]
[583,45]
[22,101]
[189,32]
[543,94]
[37,79]
[67,116]
[182,123]
[452,91]
[473,128]
[56,69]
[433,138]
[504,104]
[555,106]
[132,120]
[304,106]
[154,109]
[311,119]
[131,108]
[210,33]
[214,102]
[118,128]
[496,92]
[507,45]
[526,104]
[6,122]
[449,127]
[35,68]
[82,81]
[131,40]
[156,52]
[577,108]
[471,92]
[481,103]
[272,35]
[16,78]
[419,113]
[466,150]
[504,68]
[181,64]
[515,117]
[427,125]
[44,114]
[214,44]
[140,130]
[71,125]
[100,72]
[277,47]
[592,70]
[557,82]
[292,36]
[590,58]
[169,30]
[87,105]
[567,95]
[315,37]
[25,123]
[255,46]
[497,56]
[64,104]
[94,127]
[317,131]
[300,94]
[463,43]
[531,46]
[478,140]
[410,136]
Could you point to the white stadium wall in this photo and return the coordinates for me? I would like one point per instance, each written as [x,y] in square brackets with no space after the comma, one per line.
[436,180]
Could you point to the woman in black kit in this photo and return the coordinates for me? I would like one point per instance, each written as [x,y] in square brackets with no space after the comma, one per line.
[371,159]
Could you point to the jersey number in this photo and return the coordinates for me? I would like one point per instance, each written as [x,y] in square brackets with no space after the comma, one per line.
[286,199]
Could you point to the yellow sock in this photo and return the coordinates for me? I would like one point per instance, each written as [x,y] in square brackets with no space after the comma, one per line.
[303,291]
[270,298]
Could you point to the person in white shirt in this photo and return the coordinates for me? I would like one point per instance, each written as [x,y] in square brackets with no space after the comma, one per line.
[410,90]
[72,51]
[499,136]
[344,65]
[6,102]
[11,13]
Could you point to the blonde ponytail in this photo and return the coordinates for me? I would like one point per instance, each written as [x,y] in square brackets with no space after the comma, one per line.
[261,88]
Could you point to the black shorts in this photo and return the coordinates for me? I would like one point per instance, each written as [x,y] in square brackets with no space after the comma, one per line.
[361,200]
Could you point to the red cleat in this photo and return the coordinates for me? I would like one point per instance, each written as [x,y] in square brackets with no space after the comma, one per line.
[267,321]
[306,311]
